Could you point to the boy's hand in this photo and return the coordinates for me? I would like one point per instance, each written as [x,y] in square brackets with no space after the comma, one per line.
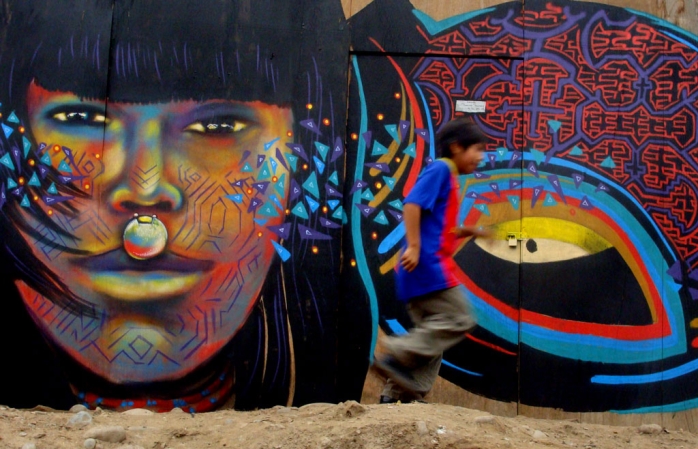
[409,259]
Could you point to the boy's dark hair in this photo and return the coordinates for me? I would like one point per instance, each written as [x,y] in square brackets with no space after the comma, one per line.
[462,131]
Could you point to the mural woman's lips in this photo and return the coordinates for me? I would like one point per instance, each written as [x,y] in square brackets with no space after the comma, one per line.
[121,277]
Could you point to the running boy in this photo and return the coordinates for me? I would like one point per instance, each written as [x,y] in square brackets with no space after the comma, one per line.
[426,281]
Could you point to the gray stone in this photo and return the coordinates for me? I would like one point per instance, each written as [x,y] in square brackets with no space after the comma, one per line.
[650,429]
[350,409]
[138,412]
[421,428]
[29,446]
[110,434]
[80,419]
[78,408]
[316,407]
[538,435]
[90,443]
[488,419]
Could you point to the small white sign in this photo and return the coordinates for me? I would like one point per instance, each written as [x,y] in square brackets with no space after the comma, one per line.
[473,107]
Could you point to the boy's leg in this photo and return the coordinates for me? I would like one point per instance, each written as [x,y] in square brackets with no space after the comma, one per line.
[424,378]
[392,390]
[441,320]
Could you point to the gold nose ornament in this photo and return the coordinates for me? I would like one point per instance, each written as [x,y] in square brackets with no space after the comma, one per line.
[145,237]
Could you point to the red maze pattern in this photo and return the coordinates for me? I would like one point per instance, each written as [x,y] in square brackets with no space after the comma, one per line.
[623,88]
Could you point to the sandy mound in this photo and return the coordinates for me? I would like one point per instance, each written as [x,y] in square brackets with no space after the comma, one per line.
[321,426]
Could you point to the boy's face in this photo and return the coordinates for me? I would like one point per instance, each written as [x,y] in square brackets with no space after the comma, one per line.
[467,159]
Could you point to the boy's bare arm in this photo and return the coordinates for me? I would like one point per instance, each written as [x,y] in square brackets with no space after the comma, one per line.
[410,257]
[467,231]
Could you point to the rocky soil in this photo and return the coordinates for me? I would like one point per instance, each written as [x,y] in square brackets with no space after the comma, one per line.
[320,426]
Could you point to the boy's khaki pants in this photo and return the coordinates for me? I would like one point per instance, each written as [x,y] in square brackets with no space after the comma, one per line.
[441,319]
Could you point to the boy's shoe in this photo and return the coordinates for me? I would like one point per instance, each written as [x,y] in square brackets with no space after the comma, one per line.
[387,400]
[389,367]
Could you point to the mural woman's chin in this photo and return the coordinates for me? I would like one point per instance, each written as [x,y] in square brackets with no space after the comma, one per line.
[137,341]
[156,351]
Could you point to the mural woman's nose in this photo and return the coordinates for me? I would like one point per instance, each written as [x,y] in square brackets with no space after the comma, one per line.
[144,187]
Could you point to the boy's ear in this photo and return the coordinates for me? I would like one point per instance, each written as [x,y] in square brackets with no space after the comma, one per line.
[452,149]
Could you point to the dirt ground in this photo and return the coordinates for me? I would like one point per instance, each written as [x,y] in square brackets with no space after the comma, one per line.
[320,426]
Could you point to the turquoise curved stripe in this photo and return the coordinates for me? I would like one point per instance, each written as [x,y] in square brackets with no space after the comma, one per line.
[458,368]
[668,408]
[586,188]
[589,347]
[617,213]
[570,346]
[392,239]
[431,126]
[492,319]
[622,215]
[586,347]
[361,262]
[672,373]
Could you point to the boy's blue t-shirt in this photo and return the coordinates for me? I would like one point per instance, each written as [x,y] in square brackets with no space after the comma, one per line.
[436,193]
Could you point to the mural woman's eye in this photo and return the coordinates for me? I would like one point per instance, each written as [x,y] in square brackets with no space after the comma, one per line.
[217,125]
[85,117]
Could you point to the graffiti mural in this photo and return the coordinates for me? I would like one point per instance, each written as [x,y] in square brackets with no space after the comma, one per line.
[586,299]
[191,218]
[171,208]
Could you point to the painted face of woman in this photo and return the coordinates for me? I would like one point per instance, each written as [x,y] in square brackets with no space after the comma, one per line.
[212,175]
